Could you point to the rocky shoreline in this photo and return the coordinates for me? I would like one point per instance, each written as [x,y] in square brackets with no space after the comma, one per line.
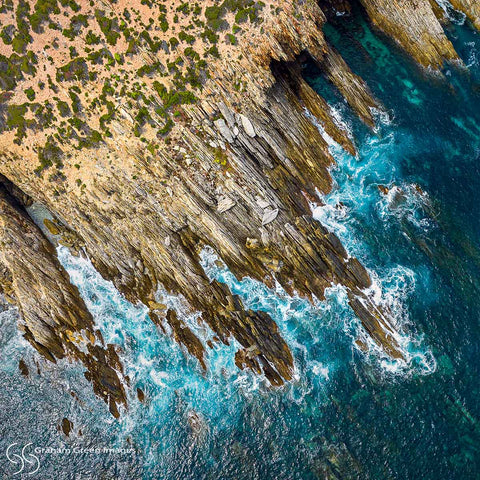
[219,154]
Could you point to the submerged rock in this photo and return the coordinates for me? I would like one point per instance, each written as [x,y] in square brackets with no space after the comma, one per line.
[140,395]
[67,426]
[23,368]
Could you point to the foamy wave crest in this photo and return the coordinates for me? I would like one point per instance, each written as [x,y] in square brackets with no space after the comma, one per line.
[351,204]
[382,118]
[328,139]
[152,360]
[338,112]
[390,291]
[334,147]
[355,190]
[473,55]
[407,202]
[297,318]
[334,214]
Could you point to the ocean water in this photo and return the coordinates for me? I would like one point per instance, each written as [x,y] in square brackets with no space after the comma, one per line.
[408,206]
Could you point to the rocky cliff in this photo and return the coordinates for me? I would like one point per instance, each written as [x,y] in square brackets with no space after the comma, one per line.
[150,130]
[470,8]
[55,320]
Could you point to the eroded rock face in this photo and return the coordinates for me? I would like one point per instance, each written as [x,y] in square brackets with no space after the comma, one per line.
[231,163]
[55,319]
[413,24]
[416,25]
[471,8]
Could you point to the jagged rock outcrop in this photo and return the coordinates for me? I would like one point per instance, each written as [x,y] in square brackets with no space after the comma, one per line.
[416,25]
[55,319]
[471,8]
[413,24]
[220,154]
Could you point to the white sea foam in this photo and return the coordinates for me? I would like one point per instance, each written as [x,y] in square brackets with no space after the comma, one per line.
[389,292]
[333,146]
[453,15]
[337,112]
[154,361]
[473,55]
[292,315]
[321,370]
[406,202]
[382,118]
[160,378]
[356,195]
[328,139]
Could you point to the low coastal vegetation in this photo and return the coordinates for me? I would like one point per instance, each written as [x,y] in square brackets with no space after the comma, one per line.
[108,65]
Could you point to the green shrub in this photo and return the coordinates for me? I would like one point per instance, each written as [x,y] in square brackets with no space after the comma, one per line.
[19,43]
[167,128]
[213,51]
[7,34]
[16,116]
[76,24]
[191,53]
[22,38]
[91,38]
[48,155]
[30,93]
[184,8]
[42,11]
[163,22]
[98,56]
[210,35]
[13,68]
[108,27]
[77,69]
[154,46]
[63,108]
[76,104]
[214,13]
[70,3]
[185,37]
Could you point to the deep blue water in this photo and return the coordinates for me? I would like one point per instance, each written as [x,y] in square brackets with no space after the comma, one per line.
[348,413]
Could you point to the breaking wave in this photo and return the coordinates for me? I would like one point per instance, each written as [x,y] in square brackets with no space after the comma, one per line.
[365,193]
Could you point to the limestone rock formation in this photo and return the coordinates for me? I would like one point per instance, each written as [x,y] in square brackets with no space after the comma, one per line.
[413,24]
[471,8]
[150,141]
[54,318]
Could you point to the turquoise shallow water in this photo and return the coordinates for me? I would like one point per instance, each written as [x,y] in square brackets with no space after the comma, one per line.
[351,414]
